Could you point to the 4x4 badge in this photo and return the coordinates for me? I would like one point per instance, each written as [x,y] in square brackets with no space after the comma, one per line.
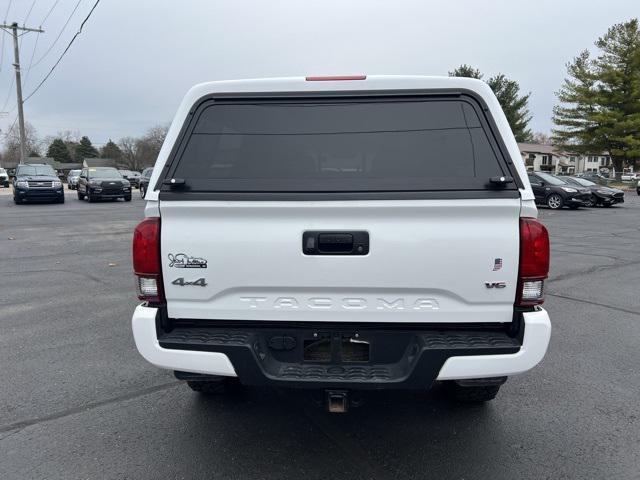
[181,260]
[201,282]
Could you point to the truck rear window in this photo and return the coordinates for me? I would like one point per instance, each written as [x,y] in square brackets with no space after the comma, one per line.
[329,145]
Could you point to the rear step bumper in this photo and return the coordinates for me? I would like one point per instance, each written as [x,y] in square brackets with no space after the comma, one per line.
[422,356]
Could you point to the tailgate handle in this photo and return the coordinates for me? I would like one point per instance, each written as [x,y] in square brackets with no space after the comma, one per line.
[335,243]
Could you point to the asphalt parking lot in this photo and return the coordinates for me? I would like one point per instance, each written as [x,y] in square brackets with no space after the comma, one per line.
[77,401]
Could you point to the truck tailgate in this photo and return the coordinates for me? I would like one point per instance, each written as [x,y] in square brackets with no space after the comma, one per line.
[429,261]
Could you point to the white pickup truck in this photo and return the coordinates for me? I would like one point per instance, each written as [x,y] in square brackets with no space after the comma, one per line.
[341,233]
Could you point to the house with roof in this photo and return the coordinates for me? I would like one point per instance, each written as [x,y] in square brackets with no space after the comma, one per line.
[548,158]
[99,162]
[62,168]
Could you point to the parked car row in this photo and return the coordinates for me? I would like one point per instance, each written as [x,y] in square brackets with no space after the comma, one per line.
[39,182]
[572,192]
[131,176]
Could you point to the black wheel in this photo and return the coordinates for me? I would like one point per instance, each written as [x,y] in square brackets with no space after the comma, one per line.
[91,198]
[474,394]
[607,205]
[80,195]
[554,201]
[61,199]
[127,198]
[143,192]
[215,387]
[638,192]
[17,200]
[592,202]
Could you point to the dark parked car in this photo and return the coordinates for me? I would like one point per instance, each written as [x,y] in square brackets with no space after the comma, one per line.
[37,182]
[103,183]
[556,193]
[133,177]
[144,181]
[600,195]
[594,177]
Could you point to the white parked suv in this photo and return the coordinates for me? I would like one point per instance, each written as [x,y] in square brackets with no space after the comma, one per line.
[4,178]
[341,233]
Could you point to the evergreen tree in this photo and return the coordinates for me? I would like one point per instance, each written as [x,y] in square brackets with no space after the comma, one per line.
[58,151]
[111,150]
[514,105]
[466,71]
[600,100]
[85,149]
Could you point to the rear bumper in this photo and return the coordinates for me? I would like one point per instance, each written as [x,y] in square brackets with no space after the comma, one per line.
[429,355]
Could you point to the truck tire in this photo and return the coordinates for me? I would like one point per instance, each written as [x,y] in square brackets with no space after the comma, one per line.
[475,394]
[214,387]
[127,198]
[80,195]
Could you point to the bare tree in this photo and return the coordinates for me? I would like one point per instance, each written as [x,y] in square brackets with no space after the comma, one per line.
[138,153]
[12,143]
[542,139]
[150,144]
[129,147]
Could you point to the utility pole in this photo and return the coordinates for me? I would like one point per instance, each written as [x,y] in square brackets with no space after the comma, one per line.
[16,52]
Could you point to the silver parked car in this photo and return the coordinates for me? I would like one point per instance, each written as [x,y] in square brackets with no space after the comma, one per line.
[4,178]
[72,179]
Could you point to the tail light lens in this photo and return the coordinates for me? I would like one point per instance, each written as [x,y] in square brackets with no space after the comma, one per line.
[146,260]
[534,262]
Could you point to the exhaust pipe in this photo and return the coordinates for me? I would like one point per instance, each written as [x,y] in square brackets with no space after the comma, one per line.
[337,401]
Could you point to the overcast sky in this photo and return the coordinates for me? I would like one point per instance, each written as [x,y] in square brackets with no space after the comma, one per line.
[134,61]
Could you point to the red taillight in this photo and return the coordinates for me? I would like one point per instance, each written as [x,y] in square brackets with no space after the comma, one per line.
[146,260]
[334,78]
[534,262]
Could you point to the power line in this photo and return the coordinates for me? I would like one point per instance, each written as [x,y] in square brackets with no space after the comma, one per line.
[35,45]
[27,18]
[15,120]
[29,12]
[64,52]
[6,14]
[49,12]
[59,34]
[3,33]
[6,100]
